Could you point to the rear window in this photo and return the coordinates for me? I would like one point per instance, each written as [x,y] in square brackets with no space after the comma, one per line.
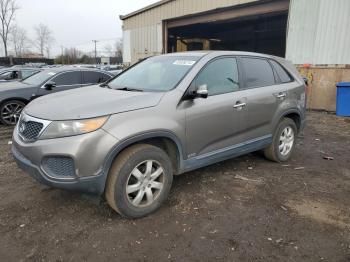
[258,72]
[281,72]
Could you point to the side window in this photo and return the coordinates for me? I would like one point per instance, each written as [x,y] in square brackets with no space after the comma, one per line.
[68,78]
[281,72]
[91,77]
[258,72]
[220,76]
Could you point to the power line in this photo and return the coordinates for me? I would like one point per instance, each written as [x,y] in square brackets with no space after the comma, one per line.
[99,40]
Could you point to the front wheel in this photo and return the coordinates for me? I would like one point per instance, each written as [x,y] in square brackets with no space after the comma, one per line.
[283,143]
[10,112]
[139,181]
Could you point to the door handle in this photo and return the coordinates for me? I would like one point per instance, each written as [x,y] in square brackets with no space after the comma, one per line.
[281,95]
[239,105]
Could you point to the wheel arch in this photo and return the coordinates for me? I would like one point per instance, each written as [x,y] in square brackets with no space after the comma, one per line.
[25,101]
[165,140]
[293,114]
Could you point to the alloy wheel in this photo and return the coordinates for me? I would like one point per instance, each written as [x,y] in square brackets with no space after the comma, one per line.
[11,112]
[145,183]
[286,141]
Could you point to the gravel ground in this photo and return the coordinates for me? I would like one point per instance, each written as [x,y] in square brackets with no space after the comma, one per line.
[245,209]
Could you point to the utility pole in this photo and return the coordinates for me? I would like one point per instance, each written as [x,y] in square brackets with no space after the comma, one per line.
[62,47]
[95,41]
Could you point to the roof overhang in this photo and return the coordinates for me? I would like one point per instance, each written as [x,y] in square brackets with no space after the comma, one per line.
[159,3]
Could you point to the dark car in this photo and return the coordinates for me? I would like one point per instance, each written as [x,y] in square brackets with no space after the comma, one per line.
[15,95]
[15,74]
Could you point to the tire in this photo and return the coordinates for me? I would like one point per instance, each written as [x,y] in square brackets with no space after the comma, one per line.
[10,112]
[123,175]
[276,151]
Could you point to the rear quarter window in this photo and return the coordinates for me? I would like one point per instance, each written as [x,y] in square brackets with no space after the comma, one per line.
[281,72]
[258,72]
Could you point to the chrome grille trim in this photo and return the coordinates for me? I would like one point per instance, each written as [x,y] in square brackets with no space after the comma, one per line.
[38,125]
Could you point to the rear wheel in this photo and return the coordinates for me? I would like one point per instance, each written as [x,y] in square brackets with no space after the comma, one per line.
[10,112]
[139,181]
[283,142]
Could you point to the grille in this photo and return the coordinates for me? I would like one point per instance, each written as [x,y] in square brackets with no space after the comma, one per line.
[30,130]
[60,167]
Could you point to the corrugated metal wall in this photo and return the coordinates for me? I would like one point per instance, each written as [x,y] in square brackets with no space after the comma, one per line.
[177,8]
[319,32]
[145,29]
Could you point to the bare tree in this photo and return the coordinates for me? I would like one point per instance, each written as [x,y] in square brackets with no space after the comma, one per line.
[8,9]
[44,39]
[118,48]
[19,39]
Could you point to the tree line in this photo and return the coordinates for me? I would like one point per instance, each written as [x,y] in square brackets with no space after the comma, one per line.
[75,56]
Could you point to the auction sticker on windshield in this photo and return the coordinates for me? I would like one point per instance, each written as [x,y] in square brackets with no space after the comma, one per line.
[184,62]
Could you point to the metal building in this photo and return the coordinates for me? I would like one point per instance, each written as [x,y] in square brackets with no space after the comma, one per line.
[315,32]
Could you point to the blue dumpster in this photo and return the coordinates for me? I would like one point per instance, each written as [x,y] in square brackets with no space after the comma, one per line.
[343,99]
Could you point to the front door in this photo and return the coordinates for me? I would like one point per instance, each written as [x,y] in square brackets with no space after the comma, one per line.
[217,122]
[63,81]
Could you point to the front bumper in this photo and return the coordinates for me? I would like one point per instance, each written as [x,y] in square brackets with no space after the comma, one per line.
[89,153]
[93,185]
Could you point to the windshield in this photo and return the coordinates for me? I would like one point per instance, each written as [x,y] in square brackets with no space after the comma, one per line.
[157,74]
[39,78]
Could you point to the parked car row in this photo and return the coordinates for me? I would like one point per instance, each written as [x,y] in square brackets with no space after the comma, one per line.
[15,74]
[15,95]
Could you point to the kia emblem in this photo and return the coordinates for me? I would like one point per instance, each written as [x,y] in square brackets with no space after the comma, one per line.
[22,127]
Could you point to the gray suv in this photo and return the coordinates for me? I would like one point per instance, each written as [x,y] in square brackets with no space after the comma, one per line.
[164,116]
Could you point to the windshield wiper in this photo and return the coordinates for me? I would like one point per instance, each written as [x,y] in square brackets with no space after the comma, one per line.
[129,89]
[105,85]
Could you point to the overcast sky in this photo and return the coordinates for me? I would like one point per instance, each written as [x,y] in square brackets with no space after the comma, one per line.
[75,23]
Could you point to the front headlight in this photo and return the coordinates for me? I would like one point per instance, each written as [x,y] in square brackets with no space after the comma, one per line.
[72,128]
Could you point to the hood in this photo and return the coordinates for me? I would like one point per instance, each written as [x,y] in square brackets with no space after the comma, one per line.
[89,102]
[14,85]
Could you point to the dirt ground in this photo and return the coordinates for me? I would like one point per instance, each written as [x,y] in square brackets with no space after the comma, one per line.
[245,209]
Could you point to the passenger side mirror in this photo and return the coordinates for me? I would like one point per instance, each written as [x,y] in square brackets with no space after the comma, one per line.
[50,85]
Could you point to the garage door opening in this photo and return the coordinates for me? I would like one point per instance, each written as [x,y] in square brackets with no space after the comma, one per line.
[262,34]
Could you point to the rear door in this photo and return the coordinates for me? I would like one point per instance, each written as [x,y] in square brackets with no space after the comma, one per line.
[217,122]
[265,95]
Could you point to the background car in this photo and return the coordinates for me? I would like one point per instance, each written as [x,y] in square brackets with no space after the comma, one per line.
[114,69]
[15,74]
[15,95]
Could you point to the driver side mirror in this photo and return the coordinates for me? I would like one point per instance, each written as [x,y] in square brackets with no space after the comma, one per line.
[50,85]
[202,91]
[197,92]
